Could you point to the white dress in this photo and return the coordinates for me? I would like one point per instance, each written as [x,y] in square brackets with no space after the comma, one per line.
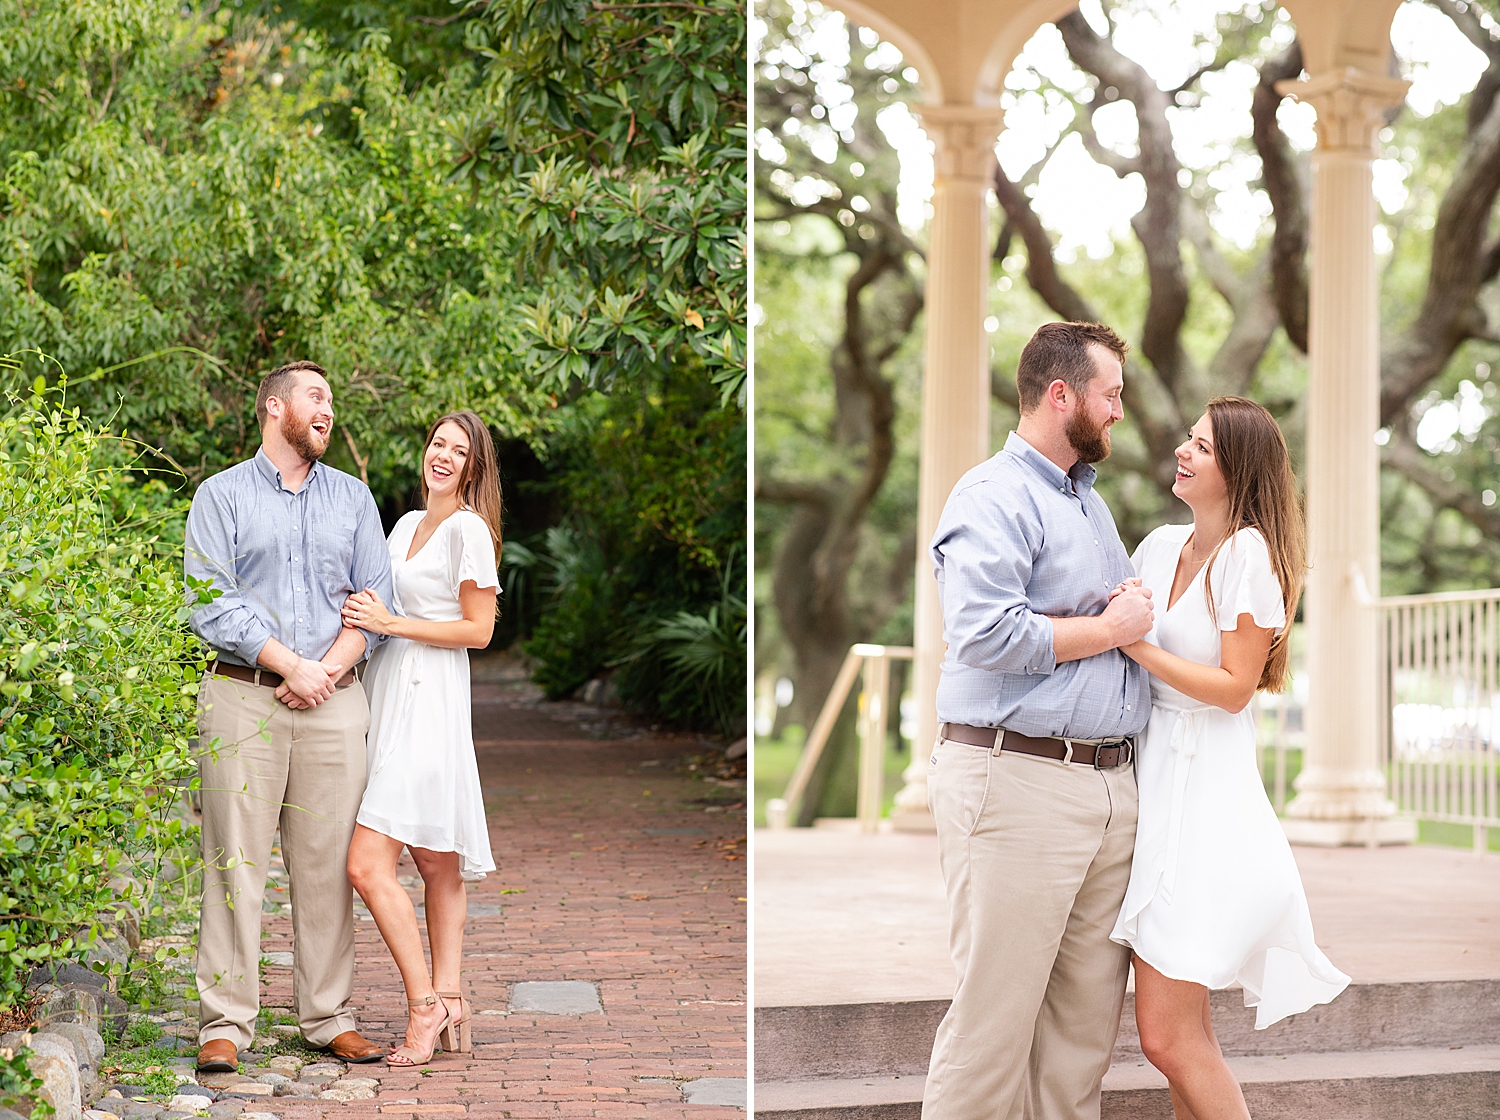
[1215,897]
[423,785]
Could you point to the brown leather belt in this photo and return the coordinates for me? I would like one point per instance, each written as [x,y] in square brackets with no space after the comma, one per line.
[1101,754]
[264,677]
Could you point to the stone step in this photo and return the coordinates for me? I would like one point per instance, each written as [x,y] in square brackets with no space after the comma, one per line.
[1460,1083]
[858,1040]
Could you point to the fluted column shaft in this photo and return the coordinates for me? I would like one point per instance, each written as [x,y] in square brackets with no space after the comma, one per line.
[955,388]
[1341,791]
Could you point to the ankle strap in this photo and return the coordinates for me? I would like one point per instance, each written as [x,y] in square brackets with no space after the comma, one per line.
[425,1001]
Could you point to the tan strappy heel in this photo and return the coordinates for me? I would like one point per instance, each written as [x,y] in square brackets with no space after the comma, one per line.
[455,1036]
[404,1055]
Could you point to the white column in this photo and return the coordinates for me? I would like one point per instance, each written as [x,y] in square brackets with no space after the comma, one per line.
[955,388]
[1341,791]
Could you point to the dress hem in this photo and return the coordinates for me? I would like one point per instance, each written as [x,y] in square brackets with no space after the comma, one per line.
[471,869]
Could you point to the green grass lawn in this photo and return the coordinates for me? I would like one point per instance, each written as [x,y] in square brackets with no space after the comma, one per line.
[776,758]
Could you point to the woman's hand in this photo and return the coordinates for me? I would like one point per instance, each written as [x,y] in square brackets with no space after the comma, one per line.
[365,611]
[1134,650]
[1121,587]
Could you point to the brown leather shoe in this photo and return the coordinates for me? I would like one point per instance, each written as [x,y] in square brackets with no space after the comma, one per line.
[351,1046]
[218,1055]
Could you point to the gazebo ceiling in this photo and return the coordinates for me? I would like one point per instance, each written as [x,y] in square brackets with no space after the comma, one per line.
[963,48]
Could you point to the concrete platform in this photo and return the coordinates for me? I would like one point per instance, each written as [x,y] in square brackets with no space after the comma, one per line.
[845,918]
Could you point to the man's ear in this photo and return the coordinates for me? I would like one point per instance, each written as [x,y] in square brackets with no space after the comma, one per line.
[1057,395]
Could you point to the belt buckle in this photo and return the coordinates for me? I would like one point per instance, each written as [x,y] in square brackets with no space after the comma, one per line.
[1124,746]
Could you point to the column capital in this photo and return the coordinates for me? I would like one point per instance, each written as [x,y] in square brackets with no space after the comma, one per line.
[1350,105]
[964,138]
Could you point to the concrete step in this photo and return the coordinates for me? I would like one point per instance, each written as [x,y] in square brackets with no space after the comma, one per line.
[894,1039]
[1431,1083]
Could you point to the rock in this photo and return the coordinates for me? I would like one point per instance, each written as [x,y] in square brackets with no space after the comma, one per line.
[299,1089]
[286,1063]
[113,1094]
[736,749]
[16,1040]
[601,691]
[182,1103]
[190,1088]
[86,1042]
[113,1013]
[219,1080]
[64,974]
[99,1114]
[318,1069]
[7,1114]
[70,1005]
[356,1083]
[225,1109]
[136,1110]
[248,1089]
[347,1094]
[258,1116]
[272,1078]
[53,1060]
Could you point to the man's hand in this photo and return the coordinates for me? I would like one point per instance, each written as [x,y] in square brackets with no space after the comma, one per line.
[1130,613]
[309,684]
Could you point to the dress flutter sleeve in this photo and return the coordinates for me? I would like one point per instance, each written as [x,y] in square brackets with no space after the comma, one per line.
[474,554]
[1248,584]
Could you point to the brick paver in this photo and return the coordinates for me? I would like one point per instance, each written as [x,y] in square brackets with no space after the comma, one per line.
[617,866]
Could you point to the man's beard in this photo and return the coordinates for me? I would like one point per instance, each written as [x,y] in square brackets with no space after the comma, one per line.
[1090,442]
[299,434]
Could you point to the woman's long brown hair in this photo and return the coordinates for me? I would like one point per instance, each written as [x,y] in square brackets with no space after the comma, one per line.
[479,484]
[1252,457]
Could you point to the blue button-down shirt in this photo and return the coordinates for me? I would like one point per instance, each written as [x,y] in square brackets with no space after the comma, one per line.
[284,560]
[1019,541]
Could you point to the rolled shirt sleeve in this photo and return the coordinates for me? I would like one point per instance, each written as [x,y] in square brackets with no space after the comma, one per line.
[228,622]
[987,553]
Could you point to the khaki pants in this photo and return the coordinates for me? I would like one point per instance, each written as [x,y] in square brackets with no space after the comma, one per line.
[1036,858]
[304,771]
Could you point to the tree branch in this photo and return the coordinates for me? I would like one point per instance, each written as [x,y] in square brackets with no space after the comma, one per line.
[1283,175]
[1413,463]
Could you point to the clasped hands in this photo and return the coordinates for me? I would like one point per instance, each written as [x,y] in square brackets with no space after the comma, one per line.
[312,682]
[1130,613]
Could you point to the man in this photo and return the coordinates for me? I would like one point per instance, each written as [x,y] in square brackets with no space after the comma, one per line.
[284,539]
[1031,784]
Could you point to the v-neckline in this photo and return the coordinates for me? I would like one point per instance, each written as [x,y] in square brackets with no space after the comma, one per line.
[1173,602]
[410,555]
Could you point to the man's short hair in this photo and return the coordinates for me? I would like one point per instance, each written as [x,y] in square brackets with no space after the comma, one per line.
[1060,351]
[280,382]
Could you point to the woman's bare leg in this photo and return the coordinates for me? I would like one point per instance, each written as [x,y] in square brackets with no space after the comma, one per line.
[1178,1039]
[447,909]
[372,871]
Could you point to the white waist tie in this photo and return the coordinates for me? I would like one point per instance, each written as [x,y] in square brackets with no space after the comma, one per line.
[1187,729]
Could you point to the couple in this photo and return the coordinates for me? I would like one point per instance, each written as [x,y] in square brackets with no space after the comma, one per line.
[1067,661]
[300,578]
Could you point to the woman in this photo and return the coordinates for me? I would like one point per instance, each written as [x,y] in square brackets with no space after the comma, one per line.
[1215,897]
[423,791]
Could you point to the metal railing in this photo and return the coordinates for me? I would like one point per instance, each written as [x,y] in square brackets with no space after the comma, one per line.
[874,712]
[1441,706]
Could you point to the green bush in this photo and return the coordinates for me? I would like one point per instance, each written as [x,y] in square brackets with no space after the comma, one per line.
[647,577]
[97,683]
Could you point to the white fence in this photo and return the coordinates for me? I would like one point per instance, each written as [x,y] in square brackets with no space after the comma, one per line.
[1441,702]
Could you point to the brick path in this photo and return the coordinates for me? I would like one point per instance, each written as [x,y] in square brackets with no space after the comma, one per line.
[617,866]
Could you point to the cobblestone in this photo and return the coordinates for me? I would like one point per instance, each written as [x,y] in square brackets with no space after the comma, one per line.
[616,869]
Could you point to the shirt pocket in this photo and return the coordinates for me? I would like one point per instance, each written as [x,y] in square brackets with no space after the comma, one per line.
[331,552]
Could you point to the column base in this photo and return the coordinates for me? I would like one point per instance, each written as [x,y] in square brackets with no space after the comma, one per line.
[911,820]
[1368,832]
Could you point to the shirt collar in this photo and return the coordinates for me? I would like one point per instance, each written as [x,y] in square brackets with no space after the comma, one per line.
[1079,480]
[272,475]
